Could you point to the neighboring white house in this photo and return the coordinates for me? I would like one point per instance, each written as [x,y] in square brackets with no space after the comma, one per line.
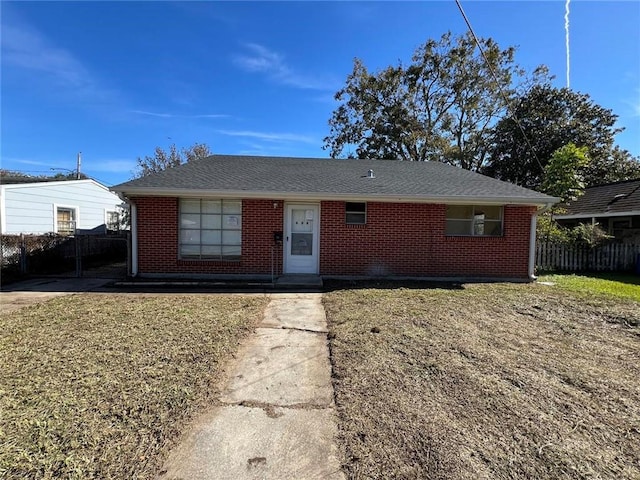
[62,207]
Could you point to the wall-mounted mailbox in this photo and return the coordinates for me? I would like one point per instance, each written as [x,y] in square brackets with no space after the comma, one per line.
[277,236]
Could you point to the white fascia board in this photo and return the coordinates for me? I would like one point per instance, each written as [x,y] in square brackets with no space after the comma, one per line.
[60,182]
[630,213]
[316,196]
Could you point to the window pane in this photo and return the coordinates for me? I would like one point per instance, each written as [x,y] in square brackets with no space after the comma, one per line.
[458,227]
[493,227]
[231,251]
[191,237]
[299,221]
[190,250]
[232,207]
[211,251]
[489,212]
[190,220]
[301,243]
[460,211]
[211,206]
[231,222]
[211,221]
[357,218]
[211,237]
[189,205]
[231,237]
[356,207]
[478,225]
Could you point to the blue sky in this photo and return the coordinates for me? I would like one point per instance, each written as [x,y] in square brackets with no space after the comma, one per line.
[116,79]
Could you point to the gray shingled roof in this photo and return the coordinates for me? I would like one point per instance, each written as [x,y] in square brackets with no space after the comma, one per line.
[328,178]
[606,199]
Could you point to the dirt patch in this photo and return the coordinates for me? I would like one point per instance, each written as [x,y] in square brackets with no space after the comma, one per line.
[487,381]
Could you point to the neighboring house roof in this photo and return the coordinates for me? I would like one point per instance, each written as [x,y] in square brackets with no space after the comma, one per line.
[609,200]
[49,183]
[313,178]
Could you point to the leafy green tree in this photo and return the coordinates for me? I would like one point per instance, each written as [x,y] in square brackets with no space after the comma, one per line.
[440,107]
[615,166]
[161,160]
[548,230]
[551,118]
[563,175]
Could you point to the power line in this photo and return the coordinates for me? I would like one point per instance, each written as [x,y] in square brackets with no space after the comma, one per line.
[495,77]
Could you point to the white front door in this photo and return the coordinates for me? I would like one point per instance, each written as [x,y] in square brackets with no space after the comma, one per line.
[301,227]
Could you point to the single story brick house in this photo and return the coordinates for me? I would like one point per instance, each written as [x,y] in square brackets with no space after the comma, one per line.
[250,216]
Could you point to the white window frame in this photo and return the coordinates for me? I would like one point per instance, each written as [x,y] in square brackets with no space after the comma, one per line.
[76,217]
[106,218]
[473,222]
[347,212]
[222,229]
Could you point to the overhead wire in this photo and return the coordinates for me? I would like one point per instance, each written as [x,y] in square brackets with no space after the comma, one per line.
[495,77]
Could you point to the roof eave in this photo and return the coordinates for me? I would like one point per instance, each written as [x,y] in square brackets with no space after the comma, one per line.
[574,216]
[317,196]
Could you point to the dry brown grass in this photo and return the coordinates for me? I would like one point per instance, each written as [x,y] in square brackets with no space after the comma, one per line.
[487,381]
[100,386]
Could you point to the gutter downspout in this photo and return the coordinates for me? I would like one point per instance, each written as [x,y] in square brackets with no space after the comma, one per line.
[532,241]
[134,240]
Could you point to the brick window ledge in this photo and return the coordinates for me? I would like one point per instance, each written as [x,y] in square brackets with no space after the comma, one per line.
[207,261]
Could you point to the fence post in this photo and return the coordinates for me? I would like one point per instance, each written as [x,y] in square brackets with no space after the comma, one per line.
[23,255]
[78,256]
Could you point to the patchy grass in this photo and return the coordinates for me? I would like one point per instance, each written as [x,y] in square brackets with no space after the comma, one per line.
[100,386]
[485,381]
[613,284]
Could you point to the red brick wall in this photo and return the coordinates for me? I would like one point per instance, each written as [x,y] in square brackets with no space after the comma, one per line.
[158,239]
[398,239]
[409,239]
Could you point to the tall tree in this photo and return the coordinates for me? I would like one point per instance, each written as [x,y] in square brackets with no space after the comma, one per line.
[440,107]
[564,173]
[161,160]
[551,118]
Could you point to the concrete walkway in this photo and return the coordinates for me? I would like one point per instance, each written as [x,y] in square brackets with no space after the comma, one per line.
[29,292]
[277,418]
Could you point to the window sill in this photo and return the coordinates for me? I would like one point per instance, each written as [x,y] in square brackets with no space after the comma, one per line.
[453,235]
[187,261]
[356,225]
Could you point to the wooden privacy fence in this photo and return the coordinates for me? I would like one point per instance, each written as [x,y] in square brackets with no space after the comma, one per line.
[572,258]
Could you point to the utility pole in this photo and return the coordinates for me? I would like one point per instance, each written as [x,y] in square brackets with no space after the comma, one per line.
[78,165]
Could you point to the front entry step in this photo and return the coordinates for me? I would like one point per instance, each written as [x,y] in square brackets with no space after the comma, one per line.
[314,281]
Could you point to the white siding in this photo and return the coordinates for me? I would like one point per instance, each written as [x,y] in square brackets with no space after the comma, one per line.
[30,208]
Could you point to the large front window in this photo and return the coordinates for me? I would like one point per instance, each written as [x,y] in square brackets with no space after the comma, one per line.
[210,229]
[481,220]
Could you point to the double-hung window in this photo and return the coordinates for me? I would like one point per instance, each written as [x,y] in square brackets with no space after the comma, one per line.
[66,220]
[474,220]
[210,229]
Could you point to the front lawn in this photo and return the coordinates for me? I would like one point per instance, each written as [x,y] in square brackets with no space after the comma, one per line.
[623,285]
[100,386]
[486,381]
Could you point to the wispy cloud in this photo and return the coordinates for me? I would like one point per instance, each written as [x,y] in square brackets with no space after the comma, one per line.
[268,136]
[28,162]
[259,59]
[25,48]
[178,115]
[111,165]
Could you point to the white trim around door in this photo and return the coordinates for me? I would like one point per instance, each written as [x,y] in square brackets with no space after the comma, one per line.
[302,242]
